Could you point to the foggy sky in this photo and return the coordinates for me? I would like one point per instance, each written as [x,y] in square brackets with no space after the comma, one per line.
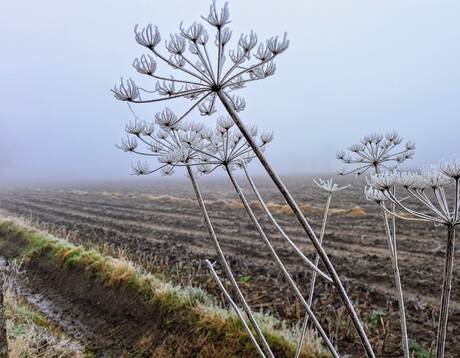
[353,67]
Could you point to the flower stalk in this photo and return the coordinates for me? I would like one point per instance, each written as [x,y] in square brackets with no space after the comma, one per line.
[428,189]
[235,307]
[380,154]
[446,289]
[305,226]
[280,265]
[306,260]
[225,265]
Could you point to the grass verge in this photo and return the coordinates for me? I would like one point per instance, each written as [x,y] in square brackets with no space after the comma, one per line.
[196,324]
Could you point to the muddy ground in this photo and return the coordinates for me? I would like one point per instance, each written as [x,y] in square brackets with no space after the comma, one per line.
[158,222]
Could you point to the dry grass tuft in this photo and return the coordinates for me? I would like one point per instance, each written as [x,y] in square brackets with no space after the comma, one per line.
[310,209]
[355,211]
[120,270]
[233,204]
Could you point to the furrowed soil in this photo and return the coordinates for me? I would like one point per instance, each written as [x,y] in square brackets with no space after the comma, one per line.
[158,224]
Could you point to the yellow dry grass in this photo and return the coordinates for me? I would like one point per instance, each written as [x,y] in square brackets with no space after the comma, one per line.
[120,270]
[355,211]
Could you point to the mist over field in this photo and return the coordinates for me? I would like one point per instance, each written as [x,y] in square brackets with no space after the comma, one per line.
[352,68]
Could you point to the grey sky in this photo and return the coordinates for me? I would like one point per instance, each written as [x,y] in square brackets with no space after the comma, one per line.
[353,67]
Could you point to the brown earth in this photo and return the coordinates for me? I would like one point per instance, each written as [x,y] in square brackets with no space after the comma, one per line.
[159,223]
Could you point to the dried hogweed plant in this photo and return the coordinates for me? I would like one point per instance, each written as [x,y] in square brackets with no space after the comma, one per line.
[430,189]
[197,148]
[330,187]
[207,73]
[381,154]
[202,150]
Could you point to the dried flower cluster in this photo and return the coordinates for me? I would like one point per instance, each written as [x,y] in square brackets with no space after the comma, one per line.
[189,144]
[199,79]
[381,155]
[376,152]
[428,188]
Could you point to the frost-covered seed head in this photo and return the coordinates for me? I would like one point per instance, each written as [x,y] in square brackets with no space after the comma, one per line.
[225,122]
[451,168]
[145,65]
[176,45]
[128,145]
[167,119]
[382,181]
[377,153]
[202,74]
[374,195]
[329,185]
[215,19]
[148,37]
[433,177]
[136,127]
[276,46]
[248,42]
[141,168]
[266,137]
[407,179]
[193,33]
[128,91]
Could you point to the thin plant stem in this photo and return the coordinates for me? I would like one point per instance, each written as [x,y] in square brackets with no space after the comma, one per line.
[225,265]
[306,227]
[280,264]
[321,236]
[235,307]
[391,236]
[313,266]
[302,336]
[446,289]
[313,277]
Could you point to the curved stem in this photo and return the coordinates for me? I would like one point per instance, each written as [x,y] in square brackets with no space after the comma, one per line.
[280,265]
[313,266]
[225,265]
[446,288]
[303,222]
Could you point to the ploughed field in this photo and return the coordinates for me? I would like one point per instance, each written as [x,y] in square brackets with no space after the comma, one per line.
[159,224]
